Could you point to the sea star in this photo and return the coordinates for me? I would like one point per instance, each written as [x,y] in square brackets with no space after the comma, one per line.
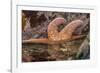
[55,37]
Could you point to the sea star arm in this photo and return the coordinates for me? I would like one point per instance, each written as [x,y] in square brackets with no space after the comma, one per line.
[67,31]
[40,40]
[74,37]
[53,33]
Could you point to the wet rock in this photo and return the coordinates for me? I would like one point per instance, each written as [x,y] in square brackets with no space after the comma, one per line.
[84,49]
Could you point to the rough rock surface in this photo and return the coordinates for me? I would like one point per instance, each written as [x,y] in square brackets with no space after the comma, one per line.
[36,24]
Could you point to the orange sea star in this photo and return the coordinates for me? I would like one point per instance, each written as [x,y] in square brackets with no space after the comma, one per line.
[55,37]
